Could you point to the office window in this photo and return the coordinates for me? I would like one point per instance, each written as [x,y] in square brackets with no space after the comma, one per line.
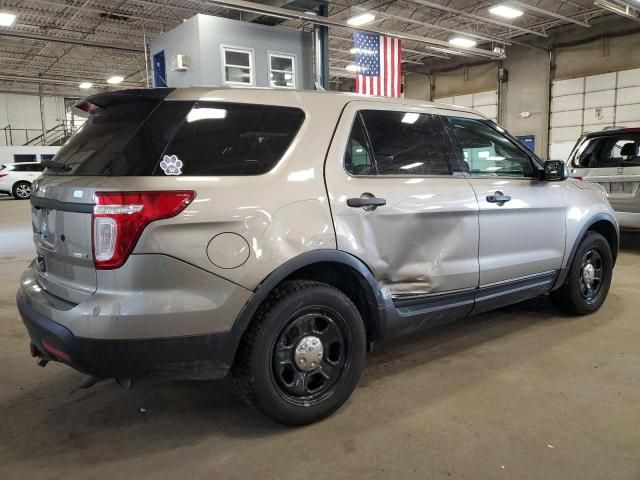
[237,66]
[282,70]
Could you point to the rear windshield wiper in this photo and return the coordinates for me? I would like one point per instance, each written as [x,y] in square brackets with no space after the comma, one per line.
[56,166]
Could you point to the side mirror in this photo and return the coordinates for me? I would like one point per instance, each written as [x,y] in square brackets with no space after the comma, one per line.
[555,171]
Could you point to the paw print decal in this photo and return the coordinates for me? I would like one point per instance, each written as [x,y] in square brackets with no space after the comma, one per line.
[171,165]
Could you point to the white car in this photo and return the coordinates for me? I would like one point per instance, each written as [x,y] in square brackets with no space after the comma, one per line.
[16,178]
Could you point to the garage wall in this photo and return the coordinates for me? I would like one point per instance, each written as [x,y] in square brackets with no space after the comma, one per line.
[591,103]
[608,53]
[485,103]
[417,86]
[464,80]
[23,112]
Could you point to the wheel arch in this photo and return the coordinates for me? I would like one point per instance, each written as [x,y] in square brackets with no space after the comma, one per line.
[337,268]
[602,223]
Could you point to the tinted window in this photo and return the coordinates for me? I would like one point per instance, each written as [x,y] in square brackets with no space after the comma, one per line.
[405,143]
[231,139]
[45,157]
[608,152]
[358,159]
[97,147]
[488,152]
[21,157]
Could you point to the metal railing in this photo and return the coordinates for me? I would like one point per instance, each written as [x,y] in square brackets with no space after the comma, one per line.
[54,136]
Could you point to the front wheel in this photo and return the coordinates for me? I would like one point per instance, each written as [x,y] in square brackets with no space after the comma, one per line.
[22,190]
[303,353]
[587,284]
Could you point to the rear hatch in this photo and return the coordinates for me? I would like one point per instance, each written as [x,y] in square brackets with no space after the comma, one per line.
[114,141]
[613,161]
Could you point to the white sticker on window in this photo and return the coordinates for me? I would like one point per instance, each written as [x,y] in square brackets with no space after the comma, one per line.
[171,165]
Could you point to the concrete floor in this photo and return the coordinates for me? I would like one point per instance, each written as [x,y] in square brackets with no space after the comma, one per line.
[516,394]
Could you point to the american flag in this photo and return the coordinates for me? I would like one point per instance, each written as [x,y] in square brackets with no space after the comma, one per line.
[378,62]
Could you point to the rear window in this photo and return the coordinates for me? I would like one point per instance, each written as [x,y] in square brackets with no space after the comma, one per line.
[608,152]
[150,137]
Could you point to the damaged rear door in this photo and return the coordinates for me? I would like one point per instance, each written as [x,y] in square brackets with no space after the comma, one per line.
[397,206]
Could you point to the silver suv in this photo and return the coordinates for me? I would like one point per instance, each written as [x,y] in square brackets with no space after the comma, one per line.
[276,235]
[612,158]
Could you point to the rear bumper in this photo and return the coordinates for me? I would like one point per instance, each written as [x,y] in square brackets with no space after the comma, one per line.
[197,357]
[131,334]
[628,220]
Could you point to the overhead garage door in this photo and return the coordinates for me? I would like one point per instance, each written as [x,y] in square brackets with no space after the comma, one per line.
[485,103]
[588,104]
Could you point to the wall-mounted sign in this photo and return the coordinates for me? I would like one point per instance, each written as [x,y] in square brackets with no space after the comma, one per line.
[528,141]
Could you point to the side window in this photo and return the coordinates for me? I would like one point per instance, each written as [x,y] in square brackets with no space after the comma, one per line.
[487,152]
[282,70]
[405,143]
[237,66]
[230,139]
[23,157]
[357,158]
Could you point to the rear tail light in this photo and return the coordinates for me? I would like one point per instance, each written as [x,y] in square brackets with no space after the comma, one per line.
[3,175]
[120,217]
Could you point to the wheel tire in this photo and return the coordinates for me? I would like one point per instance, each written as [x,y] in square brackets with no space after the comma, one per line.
[571,296]
[22,191]
[266,358]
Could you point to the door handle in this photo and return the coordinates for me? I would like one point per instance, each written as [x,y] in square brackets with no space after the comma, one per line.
[366,201]
[499,198]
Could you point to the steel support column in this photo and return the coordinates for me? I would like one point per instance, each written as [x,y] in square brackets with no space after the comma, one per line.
[321,51]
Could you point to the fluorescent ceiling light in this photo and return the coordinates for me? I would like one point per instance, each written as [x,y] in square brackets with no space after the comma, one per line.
[206,114]
[7,19]
[462,42]
[116,79]
[352,68]
[410,118]
[361,19]
[506,11]
[411,165]
[85,85]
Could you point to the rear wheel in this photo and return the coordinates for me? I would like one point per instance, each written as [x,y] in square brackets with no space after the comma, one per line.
[22,190]
[587,284]
[303,353]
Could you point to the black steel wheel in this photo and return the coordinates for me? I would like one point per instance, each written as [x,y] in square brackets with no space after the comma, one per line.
[587,284]
[310,355]
[591,275]
[303,353]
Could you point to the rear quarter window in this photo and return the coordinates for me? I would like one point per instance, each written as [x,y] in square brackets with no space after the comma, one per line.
[230,139]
